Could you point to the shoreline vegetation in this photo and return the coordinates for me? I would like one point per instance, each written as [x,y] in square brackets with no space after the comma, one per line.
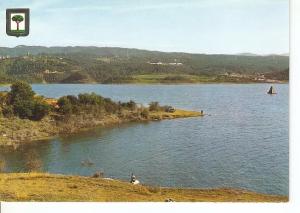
[52,187]
[26,117]
[171,79]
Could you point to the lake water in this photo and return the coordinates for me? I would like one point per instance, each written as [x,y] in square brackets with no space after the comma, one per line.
[242,142]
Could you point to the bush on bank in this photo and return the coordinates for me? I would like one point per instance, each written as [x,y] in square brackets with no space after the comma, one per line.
[21,101]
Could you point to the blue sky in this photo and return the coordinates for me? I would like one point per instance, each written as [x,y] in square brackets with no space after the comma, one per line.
[197,26]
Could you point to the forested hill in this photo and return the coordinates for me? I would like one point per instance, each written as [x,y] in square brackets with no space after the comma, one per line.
[119,65]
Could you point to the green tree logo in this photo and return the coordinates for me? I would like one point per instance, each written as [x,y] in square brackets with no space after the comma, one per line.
[18,19]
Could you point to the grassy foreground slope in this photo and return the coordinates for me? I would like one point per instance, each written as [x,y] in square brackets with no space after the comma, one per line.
[46,187]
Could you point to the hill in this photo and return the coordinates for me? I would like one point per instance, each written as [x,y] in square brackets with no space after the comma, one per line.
[121,65]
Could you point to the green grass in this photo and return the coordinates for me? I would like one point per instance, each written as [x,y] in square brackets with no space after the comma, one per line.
[170,78]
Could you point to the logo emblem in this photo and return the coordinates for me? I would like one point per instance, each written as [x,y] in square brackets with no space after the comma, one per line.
[17,22]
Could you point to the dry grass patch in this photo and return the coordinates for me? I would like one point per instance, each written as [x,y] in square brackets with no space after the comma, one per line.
[48,187]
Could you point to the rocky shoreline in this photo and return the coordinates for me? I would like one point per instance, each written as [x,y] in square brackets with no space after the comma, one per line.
[15,131]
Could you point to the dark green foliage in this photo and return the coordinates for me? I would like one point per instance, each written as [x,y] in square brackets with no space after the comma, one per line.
[76,77]
[90,99]
[23,108]
[92,104]
[89,103]
[21,97]
[73,99]
[40,110]
[130,105]
[20,91]
[176,78]
[20,101]
[65,105]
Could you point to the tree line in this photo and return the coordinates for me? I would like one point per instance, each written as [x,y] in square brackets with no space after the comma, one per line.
[21,101]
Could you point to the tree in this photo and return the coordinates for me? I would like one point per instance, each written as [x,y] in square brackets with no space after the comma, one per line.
[24,104]
[18,19]
[23,108]
[90,99]
[73,99]
[65,105]
[20,91]
[21,97]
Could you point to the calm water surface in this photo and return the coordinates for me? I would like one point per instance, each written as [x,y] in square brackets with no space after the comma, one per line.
[243,142]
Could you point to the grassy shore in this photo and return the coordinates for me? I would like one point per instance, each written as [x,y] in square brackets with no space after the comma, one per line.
[15,131]
[49,187]
[191,79]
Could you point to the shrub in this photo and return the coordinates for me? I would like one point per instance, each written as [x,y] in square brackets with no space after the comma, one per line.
[110,106]
[8,111]
[98,175]
[23,108]
[154,106]
[73,99]
[90,99]
[91,103]
[145,113]
[41,109]
[20,91]
[22,103]
[65,105]
[130,105]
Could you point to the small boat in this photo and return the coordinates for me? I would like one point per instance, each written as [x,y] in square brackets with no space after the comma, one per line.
[271,91]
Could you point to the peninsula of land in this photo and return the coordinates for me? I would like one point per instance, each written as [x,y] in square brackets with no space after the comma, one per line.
[26,117]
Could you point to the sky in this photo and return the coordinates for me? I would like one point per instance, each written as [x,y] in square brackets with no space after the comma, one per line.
[194,26]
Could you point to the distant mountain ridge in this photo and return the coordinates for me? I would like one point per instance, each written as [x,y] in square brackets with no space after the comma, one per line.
[252,54]
[21,50]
